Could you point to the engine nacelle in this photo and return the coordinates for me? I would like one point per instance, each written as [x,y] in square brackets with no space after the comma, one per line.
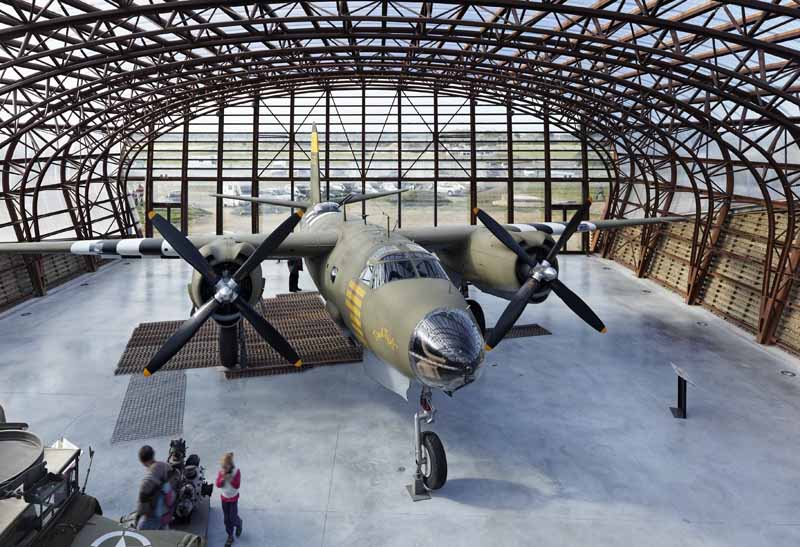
[489,265]
[225,256]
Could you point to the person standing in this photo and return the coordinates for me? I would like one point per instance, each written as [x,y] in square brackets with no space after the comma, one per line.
[295,267]
[229,479]
[154,508]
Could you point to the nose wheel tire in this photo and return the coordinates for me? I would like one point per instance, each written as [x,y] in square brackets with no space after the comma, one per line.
[434,464]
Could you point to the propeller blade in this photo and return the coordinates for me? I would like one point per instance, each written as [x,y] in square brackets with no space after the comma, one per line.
[574,302]
[505,238]
[268,332]
[183,247]
[511,313]
[181,336]
[268,246]
[572,226]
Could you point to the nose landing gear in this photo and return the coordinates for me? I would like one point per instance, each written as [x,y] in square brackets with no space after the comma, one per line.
[431,472]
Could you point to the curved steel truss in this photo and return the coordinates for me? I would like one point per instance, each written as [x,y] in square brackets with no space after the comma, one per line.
[697,102]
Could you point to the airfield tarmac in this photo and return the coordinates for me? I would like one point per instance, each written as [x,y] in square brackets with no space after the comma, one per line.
[568,440]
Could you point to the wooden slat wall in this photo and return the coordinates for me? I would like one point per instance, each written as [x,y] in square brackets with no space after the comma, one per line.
[627,246]
[670,263]
[787,333]
[733,284]
[15,282]
[61,268]
[732,288]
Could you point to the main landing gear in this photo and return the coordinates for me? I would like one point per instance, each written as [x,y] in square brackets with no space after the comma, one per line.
[431,472]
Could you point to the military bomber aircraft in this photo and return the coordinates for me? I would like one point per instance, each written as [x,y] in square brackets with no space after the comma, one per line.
[397,292]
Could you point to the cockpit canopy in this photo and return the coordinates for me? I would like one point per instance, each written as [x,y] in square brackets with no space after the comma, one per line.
[398,264]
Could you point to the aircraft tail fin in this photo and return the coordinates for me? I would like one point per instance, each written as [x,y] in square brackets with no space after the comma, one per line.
[315,193]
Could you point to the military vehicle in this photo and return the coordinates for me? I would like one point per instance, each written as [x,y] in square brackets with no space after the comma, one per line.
[397,292]
[42,503]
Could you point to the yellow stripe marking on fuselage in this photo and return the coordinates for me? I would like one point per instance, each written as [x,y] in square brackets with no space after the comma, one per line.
[359,290]
[353,301]
[351,297]
[355,311]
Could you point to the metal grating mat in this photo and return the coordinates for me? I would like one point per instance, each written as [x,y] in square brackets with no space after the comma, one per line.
[153,407]
[523,331]
[300,317]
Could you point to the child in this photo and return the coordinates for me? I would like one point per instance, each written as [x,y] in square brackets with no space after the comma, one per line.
[228,480]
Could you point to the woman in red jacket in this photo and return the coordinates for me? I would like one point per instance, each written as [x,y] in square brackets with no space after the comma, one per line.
[229,479]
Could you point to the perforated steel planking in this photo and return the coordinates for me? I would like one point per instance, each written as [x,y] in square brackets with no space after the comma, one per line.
[300,317]
[152,407]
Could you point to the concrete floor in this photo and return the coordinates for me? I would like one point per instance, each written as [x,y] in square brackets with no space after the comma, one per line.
[566,440]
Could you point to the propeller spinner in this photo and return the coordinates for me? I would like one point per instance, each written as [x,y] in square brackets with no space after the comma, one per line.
[540,274]
[226,291]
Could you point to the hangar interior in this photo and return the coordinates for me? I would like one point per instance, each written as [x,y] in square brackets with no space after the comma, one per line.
[526,110]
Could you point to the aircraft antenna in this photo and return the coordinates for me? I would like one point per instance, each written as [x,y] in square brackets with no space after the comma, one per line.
[88,470]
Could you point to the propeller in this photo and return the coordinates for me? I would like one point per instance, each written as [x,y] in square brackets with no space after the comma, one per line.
[540,274]
[227,291]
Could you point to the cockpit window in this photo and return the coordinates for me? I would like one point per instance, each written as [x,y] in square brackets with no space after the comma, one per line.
[395,266]
[386,272]
[366,275]
[430,268]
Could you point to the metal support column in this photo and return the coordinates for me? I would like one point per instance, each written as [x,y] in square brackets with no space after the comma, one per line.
[328,145]
[220,151]
[435,157]
[291,145]
[399,157]
[510,163]
[584,184]
[363,169]
[473,164]
[149,182]
[255,218]
[185,176]
[548,178]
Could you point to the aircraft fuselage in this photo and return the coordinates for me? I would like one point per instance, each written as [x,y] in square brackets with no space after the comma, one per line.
[396,300]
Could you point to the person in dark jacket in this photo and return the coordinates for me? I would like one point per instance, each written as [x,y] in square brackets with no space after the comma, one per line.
[295,267]
[152,510]
[229,479]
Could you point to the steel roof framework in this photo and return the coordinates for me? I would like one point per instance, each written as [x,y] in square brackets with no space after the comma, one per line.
[692,97]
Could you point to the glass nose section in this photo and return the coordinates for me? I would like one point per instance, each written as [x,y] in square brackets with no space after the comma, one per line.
[446,350]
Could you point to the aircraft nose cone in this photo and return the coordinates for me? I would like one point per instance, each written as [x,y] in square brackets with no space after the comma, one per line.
[446,350]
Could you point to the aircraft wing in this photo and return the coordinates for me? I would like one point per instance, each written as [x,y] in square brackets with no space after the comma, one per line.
[556,228]
[267,201]
[440,237]
[297,244]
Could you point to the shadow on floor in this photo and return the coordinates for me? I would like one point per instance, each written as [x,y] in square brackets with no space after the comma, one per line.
[490,493]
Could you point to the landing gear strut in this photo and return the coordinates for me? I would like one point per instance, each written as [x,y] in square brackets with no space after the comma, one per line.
[229,345]
[477,313]
[431,461]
